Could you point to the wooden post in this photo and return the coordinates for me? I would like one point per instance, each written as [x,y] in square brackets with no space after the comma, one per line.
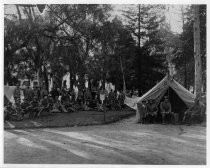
[124,86]
[104,113]
[197,55]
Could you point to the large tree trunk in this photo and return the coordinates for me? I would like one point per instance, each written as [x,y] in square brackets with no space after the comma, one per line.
[139,27]
[197,55]
[185,56]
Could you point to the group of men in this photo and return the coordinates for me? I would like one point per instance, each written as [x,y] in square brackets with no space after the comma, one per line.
[38,101]
[35,103]
[147,112]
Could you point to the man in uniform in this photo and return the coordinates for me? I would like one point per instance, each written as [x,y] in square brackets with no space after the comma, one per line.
[87,97]
[43,105]
[191,113]
[34,108]
[28,93]
[25,107]
[141,112]
[17,94]
[165,108]
[44,92]
[152,110]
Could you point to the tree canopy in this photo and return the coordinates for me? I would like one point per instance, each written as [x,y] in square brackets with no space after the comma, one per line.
[86,40]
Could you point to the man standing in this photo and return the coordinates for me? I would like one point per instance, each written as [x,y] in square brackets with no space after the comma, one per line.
[28,94]
[54,92]
[44,92]
[165,108]
[141,112]
[17,94]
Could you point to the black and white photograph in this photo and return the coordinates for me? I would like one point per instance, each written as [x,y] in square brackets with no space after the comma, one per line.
[104,84]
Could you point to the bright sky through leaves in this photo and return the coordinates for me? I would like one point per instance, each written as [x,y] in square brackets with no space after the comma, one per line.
[173,15]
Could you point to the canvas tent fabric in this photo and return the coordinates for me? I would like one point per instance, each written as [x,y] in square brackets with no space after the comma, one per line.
[9,92]
[162,87]
[159,90]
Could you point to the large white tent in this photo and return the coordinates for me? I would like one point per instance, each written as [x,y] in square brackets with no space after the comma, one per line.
[159,90]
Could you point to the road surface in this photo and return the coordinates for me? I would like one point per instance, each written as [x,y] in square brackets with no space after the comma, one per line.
[119,143]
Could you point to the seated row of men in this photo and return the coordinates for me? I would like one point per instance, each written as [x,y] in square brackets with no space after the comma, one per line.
[64,103]
[35,108]
[147,112]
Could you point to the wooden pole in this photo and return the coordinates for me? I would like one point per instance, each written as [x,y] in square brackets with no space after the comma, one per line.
[124,86]
[197,54]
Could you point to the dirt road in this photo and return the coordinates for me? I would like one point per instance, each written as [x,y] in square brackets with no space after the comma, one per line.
[119,143]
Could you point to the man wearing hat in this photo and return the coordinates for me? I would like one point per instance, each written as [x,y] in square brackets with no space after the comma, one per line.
[17,94]
[165,108]
[192,112]
[25,107]
[141,112]
[151,112]
[34,108]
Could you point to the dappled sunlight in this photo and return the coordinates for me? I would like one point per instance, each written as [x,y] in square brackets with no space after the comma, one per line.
[9,135]
[28,143]
[70,148]
[76,135]
[35,123]
[10,124]
[195,136]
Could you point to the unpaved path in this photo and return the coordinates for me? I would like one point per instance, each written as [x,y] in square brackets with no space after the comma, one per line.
[119,143]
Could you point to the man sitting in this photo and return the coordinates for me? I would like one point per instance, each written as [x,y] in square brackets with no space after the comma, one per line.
[165,108]
[193,112]
[9,110]
[152,110]
[25,107]
[58,107]
[44,106]
[65,100]
[34,108]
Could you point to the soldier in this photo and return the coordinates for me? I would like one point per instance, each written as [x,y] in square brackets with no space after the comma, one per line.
[165,108]
[28,93]
[50,102]
[17,93]
[8,111]
[44,92]
[18,110]
[152,110]
[44,106]
[58,106]
[34,108]
[194,111]
[24,107]
[87,97]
